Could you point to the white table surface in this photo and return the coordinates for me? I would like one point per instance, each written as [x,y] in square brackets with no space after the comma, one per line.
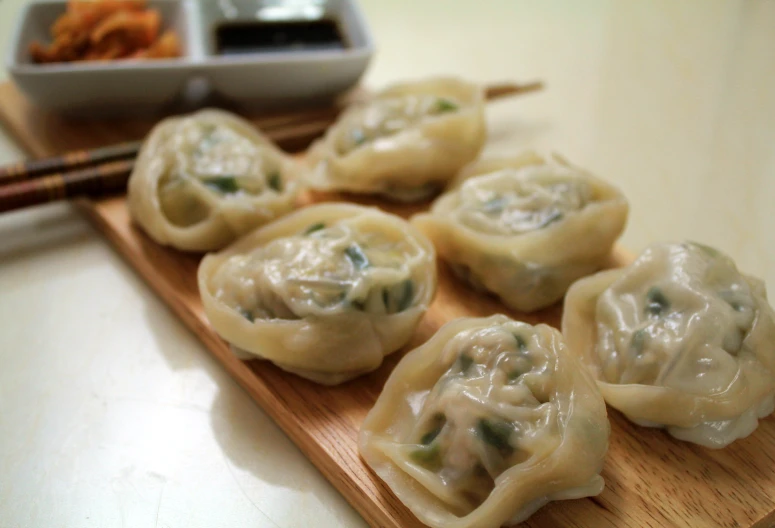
[112,414]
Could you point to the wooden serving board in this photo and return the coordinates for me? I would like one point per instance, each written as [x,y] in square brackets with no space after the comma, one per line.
[41,133]
[651,479]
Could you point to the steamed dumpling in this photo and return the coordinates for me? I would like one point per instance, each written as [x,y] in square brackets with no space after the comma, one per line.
[325,292]
[525,228]
[485,423]
[406,143]
[203,180]
[679,339]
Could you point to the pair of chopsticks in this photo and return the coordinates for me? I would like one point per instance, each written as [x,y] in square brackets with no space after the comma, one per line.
[105,170]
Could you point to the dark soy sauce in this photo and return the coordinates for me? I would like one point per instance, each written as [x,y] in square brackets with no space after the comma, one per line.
[288,35]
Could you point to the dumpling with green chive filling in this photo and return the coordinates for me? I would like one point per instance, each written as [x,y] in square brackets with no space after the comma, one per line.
[485,423]
[326,292]
[679,339]
[406,143]
[526,227]
[204,179]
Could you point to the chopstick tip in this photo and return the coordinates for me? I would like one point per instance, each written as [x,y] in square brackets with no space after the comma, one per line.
[496,91]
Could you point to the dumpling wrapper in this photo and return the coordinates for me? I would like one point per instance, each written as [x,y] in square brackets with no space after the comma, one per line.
[405,143]
[525,227]
[204,179]
[679,339]
[485,423]
[325,292]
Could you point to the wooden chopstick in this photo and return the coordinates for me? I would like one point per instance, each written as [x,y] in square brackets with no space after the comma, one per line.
[25,170]
[105,170]
[498,91]
[100,180]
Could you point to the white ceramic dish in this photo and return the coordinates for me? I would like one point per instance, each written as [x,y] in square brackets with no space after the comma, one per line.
[261,79]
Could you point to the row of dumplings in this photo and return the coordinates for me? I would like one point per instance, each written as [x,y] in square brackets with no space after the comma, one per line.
[491,418]
[204,180]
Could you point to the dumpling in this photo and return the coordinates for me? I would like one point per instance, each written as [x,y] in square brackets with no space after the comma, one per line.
[204,179]
[526,227]
[679,339]
[485,423]
[325,292]
[406,143]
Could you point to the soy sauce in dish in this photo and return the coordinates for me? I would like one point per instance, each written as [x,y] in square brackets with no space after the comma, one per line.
[287,35]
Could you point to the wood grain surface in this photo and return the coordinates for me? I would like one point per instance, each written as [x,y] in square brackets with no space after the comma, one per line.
[652,480]
[42,133]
